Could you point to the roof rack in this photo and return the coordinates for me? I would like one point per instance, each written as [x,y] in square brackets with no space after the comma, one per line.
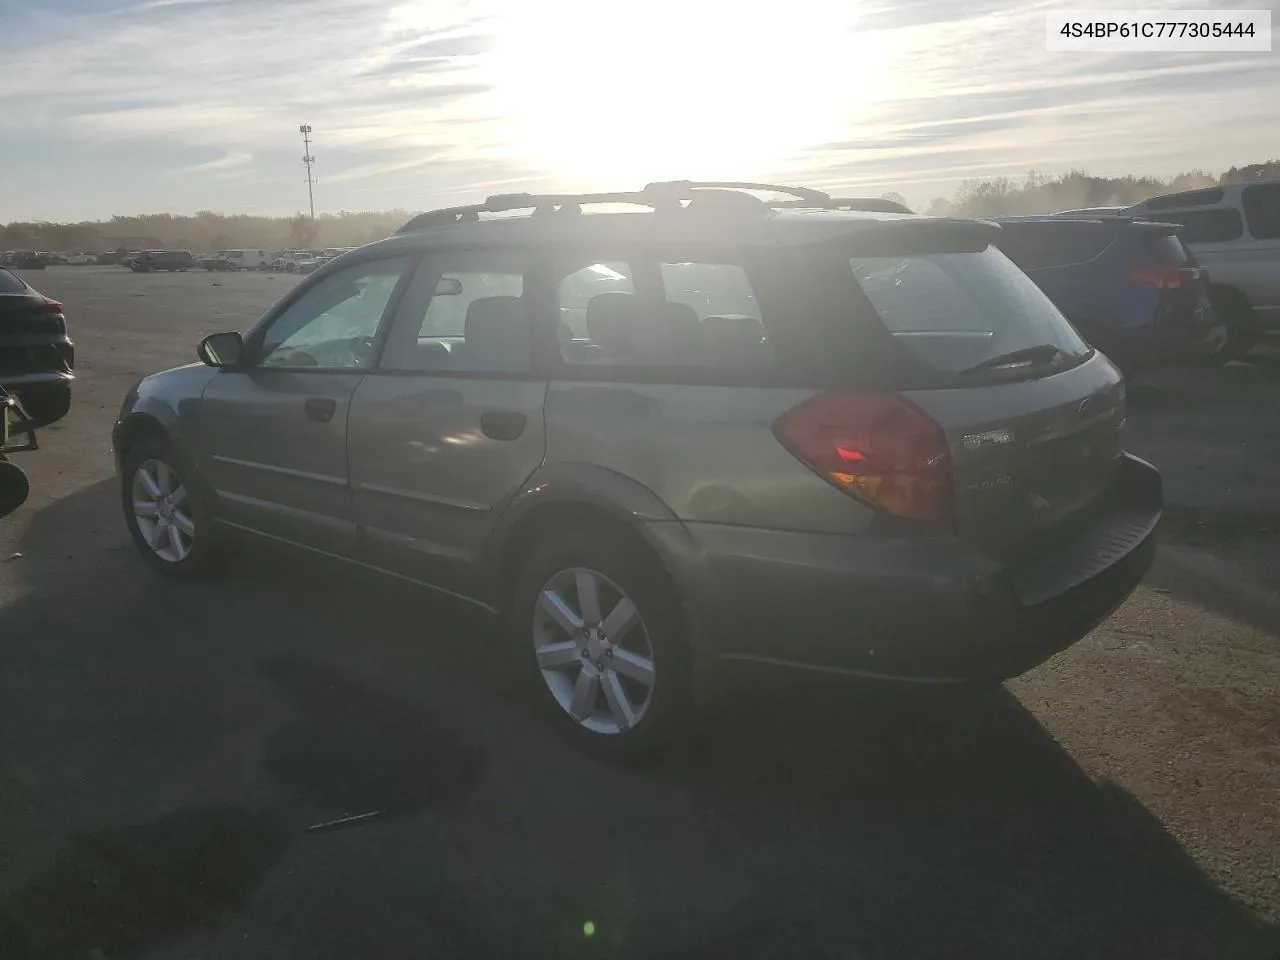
[659,196]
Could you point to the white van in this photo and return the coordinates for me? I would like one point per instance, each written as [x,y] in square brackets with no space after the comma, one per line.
[248,259]
[1234,233]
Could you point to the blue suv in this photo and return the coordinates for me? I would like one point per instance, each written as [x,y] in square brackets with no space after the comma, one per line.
[1128,285]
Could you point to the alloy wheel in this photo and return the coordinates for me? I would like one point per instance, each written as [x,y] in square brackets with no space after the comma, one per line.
[162,510]
[593,650]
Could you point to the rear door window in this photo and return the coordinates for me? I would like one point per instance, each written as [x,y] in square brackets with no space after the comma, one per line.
[957,310]
[1262,210]
[656,316]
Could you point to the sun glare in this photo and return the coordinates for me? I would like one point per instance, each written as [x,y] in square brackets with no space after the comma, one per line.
[606,93]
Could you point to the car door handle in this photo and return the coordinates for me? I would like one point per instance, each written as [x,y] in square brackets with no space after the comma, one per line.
[503,424]
[320,409]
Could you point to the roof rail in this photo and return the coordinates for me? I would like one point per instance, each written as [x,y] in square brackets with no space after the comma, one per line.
[662,195]
[867,204]
[540,203]
[688,186]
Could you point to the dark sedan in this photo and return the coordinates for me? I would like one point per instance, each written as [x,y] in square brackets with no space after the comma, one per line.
[37,358]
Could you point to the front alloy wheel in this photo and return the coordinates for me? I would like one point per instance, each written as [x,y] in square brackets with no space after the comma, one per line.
[162,511]
[593,650]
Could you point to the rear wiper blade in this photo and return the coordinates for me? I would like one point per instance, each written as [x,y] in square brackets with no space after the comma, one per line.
[1027,356]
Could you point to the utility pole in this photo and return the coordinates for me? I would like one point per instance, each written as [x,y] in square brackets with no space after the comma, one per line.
[308,159]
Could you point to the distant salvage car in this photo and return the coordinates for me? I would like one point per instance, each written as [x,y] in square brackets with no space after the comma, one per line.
[153,261]
[217,263]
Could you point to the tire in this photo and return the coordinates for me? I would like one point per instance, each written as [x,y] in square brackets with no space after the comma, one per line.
[205,547]
[46,405]
[1242,327]
[655,645]
[14,487]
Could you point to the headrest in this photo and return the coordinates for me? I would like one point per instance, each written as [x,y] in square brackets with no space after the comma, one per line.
[681,315]
[733,336]
[610,318]
[488,317]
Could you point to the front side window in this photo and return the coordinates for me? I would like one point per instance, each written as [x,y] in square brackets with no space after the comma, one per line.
[333,324]
[1262,210]
[958,310]
[465,313]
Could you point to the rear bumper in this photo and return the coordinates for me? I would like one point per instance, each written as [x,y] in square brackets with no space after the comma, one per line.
[1169,343]
[923,610]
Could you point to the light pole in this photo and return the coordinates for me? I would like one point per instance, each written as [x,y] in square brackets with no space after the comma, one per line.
[308,159]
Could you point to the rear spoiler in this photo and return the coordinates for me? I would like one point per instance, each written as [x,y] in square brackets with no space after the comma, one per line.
[886,238]
[1112,221]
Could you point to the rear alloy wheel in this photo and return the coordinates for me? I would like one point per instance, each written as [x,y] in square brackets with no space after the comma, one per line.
[593,650]
[165,513]
[600,629]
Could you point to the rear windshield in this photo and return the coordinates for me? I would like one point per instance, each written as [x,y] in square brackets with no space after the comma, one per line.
[957,310]
[11,284]
[1057,243]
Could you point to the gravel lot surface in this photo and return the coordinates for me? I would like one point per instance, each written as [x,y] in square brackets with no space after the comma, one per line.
[165,748]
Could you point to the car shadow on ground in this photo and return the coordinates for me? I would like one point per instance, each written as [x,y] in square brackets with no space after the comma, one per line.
[193,733]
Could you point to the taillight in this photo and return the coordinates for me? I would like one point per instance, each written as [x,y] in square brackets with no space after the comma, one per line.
[1165,278]
[880,448]
[53,306]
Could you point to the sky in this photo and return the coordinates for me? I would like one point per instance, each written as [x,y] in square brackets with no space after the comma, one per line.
[141,106]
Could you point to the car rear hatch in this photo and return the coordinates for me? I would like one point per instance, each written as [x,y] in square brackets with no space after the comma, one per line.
[32,334]
[1031,415]
[1163,262]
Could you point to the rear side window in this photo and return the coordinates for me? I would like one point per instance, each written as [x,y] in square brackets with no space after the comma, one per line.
[1057,244]
[957,310]
[1208,226]
[662,316]
[1262,210]
[11,284]
[1167,251]
[1194,198]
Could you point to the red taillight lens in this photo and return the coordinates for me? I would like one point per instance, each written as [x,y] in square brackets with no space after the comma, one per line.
[52,305]
[879,448]
[1165,278]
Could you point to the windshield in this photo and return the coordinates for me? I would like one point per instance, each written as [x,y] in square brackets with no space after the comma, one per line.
[955,311]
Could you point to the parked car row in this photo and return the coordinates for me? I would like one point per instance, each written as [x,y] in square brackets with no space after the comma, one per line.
[1233,233]
[720,434]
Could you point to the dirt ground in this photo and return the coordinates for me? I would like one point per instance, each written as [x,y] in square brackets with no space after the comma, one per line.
[166,749]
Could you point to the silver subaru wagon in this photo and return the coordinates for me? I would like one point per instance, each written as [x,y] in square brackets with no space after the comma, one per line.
[666,432]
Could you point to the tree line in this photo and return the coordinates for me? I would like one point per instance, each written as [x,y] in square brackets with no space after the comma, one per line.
[1040,193]
[206,230]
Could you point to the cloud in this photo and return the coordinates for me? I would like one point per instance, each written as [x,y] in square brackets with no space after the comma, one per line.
[416,97]
[228,161]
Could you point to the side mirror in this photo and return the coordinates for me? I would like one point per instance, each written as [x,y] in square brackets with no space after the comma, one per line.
[449,287]
[221,349]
